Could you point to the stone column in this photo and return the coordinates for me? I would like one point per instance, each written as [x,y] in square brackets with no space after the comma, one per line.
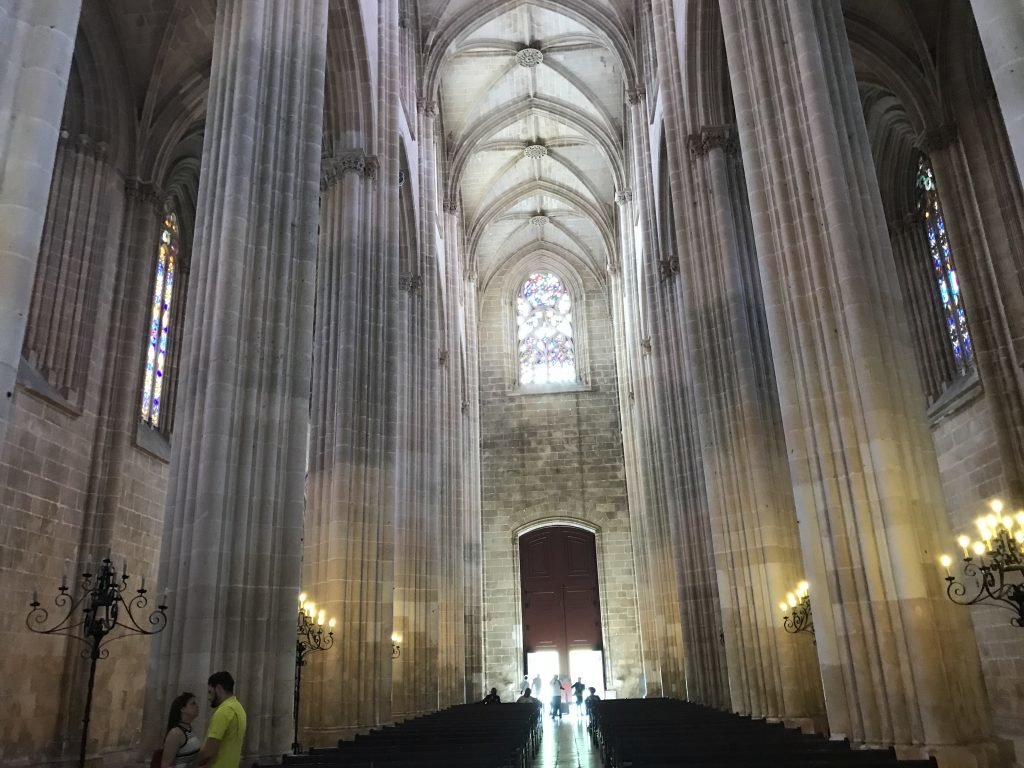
[654,519]
[450,440]
[349,540]
[1001,27]
[38,40]
[232,542]
[470,545]
[420,526]
[754,524]
[899,662]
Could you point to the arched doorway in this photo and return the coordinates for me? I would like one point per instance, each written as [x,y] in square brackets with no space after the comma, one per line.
[561,606]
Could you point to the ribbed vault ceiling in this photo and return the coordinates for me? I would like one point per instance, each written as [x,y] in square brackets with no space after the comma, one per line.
[532,107]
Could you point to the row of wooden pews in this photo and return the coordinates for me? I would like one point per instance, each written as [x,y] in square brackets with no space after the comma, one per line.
[466,736]
[664,733]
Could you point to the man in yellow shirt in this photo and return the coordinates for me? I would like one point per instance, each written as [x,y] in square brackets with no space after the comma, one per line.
[223,745]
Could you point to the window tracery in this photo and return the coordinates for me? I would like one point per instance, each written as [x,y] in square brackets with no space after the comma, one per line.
[547,353]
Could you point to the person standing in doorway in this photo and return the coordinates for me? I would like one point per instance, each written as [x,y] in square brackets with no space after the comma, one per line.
[578,688]
[556,698]
[224,737]
[524,684]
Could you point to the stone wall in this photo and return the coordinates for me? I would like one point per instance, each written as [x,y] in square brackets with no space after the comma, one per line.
[553,457]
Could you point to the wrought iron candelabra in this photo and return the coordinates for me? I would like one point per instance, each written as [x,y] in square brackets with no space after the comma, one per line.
[104,611]
[993,565]
[310,638]
[797,616]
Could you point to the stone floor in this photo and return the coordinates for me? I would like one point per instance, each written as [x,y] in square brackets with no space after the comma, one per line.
[567,744]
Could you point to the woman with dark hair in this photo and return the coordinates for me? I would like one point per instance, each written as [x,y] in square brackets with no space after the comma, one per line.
[181,746]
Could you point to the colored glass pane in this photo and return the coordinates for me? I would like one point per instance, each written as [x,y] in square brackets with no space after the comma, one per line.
[160,321]
[544,331]
[943,268]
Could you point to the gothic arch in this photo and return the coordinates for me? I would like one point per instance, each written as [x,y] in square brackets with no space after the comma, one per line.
[604,22]
[350,115]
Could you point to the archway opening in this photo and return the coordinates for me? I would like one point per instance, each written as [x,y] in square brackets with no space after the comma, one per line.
[561,610]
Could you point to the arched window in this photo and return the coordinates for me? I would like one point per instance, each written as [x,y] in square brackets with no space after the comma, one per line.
[162,314]
[547,353]
[943,268]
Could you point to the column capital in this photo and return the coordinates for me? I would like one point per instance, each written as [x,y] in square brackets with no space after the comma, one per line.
[426,107]
[143,191]
[936,138]
[713,137]
[635,95]
[450,204]
[624,196]
[668,267]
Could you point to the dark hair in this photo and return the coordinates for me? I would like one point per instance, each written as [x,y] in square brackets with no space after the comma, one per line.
[179,703]
[224,680]
[592,689]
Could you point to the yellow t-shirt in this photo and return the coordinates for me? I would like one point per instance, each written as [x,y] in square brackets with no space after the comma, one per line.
[227,726]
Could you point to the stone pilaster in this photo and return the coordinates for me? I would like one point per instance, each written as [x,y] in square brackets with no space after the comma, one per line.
[899,662]
[232,543]
[62,319]
[38,42]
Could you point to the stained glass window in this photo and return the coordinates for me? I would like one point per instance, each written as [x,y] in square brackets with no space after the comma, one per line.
[544,322]
[160,331]
[942,267]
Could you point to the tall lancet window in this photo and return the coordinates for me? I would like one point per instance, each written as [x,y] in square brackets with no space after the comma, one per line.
[154,383]
[943,268]
[547,354]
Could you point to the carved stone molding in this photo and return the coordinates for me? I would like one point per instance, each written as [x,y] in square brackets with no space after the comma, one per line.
[936,138]
[411,283]
[624,196]
[529,57]
[442,358]
[668,267]
[403,176]
[370,168]
[450,204]
[645,345]
[84,143]
[539,220]
[143,192]
[426,107]
[713,137]
[635,95]
[535,151]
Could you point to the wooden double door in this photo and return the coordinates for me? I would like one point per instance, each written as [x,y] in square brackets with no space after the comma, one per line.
[561,604]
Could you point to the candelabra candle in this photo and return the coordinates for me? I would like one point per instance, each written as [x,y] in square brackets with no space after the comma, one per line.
[993,566]
[313,633]
[796,610]
[103,611]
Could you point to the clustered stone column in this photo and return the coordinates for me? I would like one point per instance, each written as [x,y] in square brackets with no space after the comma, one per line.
[754,525]
[899,662]
[420,524]
[232,542]
[38,41]
[657,538]
[349,538]
[450,400]
[465,474]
